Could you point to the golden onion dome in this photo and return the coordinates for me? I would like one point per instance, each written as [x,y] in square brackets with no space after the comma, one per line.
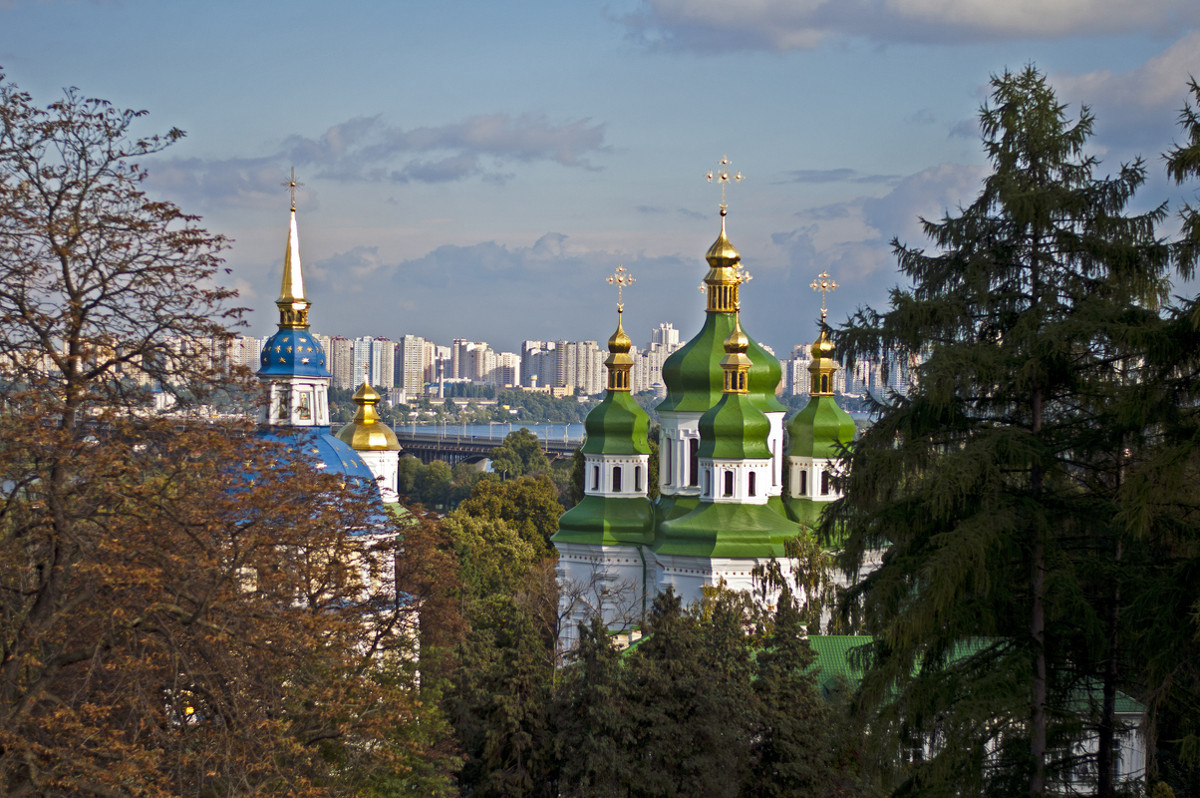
[367,432]
[823,346]
[737,342]
[722,254]
[619,343]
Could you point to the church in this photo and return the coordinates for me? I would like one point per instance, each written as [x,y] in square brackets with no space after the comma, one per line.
[723,510]
[364,453]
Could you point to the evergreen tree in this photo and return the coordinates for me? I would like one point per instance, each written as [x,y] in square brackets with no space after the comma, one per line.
[994,484]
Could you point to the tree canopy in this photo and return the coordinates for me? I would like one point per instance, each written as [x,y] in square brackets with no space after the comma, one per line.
[994,484]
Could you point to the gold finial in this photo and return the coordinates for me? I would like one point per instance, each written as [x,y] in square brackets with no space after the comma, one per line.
[620,278]
[825,286]
[722,176]
[291,186]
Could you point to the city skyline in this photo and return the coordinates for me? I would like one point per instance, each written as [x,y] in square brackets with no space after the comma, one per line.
[476,170]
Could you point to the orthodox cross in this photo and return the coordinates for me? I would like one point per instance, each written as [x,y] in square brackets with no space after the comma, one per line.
[620,278]
[824,285]
[722,176]
[291,185]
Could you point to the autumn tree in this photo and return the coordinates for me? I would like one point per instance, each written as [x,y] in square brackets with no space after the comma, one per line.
[995,483]
[185,610]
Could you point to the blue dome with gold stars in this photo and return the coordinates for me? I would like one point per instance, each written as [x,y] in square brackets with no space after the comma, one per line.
[293,352]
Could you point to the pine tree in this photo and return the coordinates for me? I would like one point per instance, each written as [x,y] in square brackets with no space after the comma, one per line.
[993,485]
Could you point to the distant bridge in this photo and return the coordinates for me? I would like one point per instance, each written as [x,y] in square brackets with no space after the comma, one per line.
[455,448]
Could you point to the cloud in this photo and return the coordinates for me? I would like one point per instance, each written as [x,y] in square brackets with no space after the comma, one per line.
[368,148]
[839,175]
[1159,83]
[851,239]
[724,25]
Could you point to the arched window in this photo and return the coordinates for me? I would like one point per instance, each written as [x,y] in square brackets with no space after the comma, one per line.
[595,477]
[707,482]
[728,483]
[803,482]
[752,483]
[667,446]
[616,479]
[637,478]
[824,383]
[694,461]
[824,483]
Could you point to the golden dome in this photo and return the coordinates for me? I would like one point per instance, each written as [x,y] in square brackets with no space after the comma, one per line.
[823,346]
[619,343]
[367,432]
[737,342]
[722,254]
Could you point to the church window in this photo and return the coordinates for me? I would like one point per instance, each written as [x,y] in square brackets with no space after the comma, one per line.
[616,479]
[728,483]
[824,383]
[824,483]
[707,482]
[803,482]
[694,461]
[753,483]
[637,478]
[667,462]
[595,477]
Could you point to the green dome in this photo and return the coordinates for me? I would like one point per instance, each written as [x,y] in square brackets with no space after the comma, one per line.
[693,374]
[735,430]
[618,425]
[821,429]
[598,520]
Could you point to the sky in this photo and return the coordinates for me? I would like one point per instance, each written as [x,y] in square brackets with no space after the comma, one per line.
[477,169]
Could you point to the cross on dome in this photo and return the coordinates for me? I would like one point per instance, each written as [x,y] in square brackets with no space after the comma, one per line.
[291,186]
[621,278]
[825,286]
[722,177]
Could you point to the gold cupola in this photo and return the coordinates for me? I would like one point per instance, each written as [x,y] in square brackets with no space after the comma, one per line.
[367,432]
[619,361]
[722,281]
[736,363]
[822,367]
[293,305]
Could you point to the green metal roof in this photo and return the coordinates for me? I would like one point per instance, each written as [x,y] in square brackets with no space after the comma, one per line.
[618,425]
[599,520]
[820,429]
[693,374]
[735,430]
[726,530]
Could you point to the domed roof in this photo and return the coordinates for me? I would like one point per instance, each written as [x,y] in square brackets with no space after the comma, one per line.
[367,432]
[693,377]
[823,346]
[326,452]
[293,352]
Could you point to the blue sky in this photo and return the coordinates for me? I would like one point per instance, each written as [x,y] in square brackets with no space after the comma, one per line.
[476,169]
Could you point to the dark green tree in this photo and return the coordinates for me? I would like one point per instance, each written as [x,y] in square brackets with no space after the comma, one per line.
[994,484]
[520,454]
[529,504]
[792,748]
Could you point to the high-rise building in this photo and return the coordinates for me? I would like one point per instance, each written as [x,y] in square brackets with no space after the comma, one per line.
[341,362]
[412,363]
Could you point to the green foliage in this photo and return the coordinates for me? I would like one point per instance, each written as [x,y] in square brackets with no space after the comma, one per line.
[493,557]
[519,454]
[529,504]
[995,482]
[718,700]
